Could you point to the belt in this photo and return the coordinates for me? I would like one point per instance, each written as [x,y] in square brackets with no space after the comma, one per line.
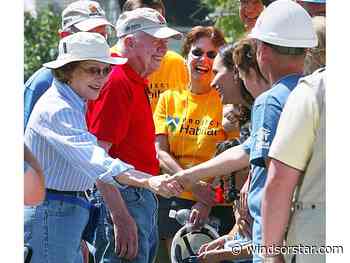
[73,197]
[304,205]
[72,193]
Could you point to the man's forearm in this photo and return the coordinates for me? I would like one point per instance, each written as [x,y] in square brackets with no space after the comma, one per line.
[276,202]
[168,164]
[134,178]
[231,160]
[113,199]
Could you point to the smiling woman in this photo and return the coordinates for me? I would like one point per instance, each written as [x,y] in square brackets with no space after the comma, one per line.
[68,154]
[188,127]
[81,72]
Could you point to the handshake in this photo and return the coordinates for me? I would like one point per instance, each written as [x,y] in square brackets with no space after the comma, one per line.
[170,185]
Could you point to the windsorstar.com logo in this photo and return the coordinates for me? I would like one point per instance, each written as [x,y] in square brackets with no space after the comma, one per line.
[172,122]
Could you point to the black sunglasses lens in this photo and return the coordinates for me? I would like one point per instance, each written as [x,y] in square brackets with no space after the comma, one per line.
[211,54]
[106,71]
[197,52]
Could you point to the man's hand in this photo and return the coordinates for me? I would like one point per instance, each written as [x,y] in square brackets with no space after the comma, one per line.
[199,213]
[126,238]
[165,185]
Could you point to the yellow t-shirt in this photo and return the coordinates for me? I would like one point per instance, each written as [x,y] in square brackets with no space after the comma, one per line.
[172,74]
[193,124]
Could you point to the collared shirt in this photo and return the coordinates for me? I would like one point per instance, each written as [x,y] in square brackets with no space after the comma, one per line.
[34,88]
[265,116]
[122,116]
[58,137]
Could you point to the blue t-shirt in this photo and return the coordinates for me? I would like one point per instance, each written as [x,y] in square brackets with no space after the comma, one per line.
[34,88]
[265,116]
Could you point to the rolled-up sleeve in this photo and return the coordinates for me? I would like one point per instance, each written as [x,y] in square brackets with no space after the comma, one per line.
[66,130]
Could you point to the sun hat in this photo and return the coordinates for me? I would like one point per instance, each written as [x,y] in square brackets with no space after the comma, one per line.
[84,15]
[147,20]
[84,46]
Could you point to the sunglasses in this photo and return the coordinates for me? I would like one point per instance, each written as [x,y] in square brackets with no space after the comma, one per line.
[96,71]
[197,52]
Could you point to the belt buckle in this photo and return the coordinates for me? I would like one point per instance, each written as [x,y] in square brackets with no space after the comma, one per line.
[298,206]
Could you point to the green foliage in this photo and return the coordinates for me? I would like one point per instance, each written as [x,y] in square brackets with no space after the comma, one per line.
[40,39]
[226,15]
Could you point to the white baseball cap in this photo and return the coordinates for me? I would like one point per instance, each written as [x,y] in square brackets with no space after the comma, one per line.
[84,15]
[84,46]
[147,20]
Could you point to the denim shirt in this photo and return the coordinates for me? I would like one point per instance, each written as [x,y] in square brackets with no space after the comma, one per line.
[58,137]
[34,88]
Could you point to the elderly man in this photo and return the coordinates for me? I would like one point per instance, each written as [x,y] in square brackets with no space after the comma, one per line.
[81,15]
[172,72]
[314,7]
[121,119]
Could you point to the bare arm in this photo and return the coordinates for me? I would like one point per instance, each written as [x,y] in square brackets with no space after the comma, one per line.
[167,162]
[34,182]
[126,244]
[281,182]
[233,159]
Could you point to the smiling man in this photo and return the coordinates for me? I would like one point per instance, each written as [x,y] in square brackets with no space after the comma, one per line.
[121,119]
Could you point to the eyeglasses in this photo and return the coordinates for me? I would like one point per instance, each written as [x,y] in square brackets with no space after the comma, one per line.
[96,71]
[197,52]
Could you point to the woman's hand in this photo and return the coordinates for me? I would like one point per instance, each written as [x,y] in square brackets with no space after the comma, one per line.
[215,244]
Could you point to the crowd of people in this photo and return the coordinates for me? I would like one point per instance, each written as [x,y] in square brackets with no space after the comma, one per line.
[117,138]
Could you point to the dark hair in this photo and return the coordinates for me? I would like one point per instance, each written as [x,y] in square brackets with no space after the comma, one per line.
[130,5]
[267,2]
[244,56]
[64,73]
[225,53]
[197,32]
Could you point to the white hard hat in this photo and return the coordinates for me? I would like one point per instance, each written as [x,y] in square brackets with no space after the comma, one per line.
[315,1]
[187,242]
[285,23]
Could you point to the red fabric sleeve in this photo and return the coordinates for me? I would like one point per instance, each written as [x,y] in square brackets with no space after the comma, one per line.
[108,117]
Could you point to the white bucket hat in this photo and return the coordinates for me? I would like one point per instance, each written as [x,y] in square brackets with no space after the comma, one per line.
[84,46]
[84,15]
[147,20]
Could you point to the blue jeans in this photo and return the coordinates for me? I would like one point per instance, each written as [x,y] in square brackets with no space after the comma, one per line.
[143,207]
[53,230]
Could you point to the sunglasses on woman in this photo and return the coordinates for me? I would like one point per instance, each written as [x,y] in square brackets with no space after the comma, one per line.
[96,71]
[197,52]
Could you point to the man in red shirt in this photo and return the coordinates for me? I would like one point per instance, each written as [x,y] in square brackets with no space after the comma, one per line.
[121,119]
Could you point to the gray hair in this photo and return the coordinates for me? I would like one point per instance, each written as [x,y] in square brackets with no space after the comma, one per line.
[316,57]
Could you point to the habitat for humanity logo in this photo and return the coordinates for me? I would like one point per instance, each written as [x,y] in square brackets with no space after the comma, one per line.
[172,123]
